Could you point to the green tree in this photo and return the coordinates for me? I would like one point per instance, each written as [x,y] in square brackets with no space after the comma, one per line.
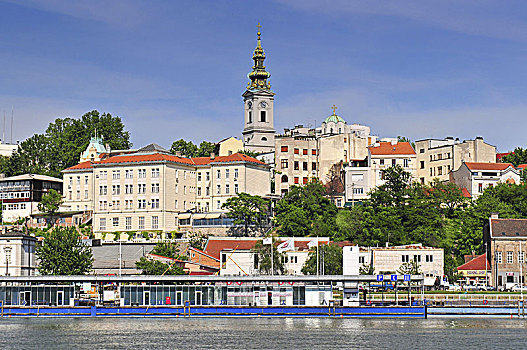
[169,250]
[187,149]
[50,204]
[156,267]
[264,258]
[330,261]
[366,269]
[405,139]
[247,210]
[410,268]
[516,157]
[305,211]
[63,253]
[206,148]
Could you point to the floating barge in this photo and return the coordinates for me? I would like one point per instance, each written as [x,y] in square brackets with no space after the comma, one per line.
[192,296]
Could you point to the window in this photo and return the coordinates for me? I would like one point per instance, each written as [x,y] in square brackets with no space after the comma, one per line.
[116,189]
[362,260]
[86,180]
[236,188]
[381,161]
[422,150]
[296,167]
[296,180]
[296,151]
[521,257]
[199,176]
[417,258]
[141,173]
[314,152]
[430,171]
[439,170]
[199,191]
[155,172]
[78,194]
[284,179]
[218,205]
[155,188]
[284,149]
[184,205]
[141,188]
[85,194]
[304,152]
[102,224]
[393,162]
[128,174]
[284,163]
[218,174]
[304,180]
[78,180]
[184,174]
[480,188]
[141,224]
[128,223]
[141,204]
[227,172]
[304,166]
[499,258]
[115,222]
[155,222]
[218,189]
[103,175]
[422,164]
[358,190]
[103,205]
[116,205]
[235,173]
[510,258]
[250,117]
[405,258]
[263,116]
[226,188]
[406,162]
[155,203]
[176,203]
[116,174]
[429,258]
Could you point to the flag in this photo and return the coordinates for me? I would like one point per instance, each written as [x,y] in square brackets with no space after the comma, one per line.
[312,243]
[267,240]
[287,245]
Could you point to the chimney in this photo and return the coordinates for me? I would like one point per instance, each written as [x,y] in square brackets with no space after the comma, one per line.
[494,215]
[212,155]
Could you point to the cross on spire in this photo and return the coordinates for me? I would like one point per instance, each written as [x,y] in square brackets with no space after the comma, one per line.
[334,108]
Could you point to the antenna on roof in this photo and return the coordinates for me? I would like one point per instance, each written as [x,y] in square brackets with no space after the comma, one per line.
[12,110]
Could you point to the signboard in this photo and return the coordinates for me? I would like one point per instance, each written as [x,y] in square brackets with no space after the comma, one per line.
[393,278]
[407,278]
[86,287]
[380,278]
[167,300]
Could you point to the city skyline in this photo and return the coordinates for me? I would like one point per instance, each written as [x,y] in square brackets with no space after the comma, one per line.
[415,70]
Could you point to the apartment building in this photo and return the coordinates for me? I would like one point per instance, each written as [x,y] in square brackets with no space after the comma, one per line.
[437,157]
[152,190]
[476,177]
[363,176]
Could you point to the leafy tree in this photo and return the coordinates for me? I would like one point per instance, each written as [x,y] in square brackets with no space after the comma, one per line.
[50,203]
[168,250]
[330,261]
[395,188]
[190,150]
[367,269]
[334,183]
[350,224]
[305,211]
[264,259]
[156,267]
[517,157]
[198,240]
[63,253]
[250,154]
[206,148]
[410,268]
[247,210]
[405,139]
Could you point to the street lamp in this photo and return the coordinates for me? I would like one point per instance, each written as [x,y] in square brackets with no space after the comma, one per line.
[7,251]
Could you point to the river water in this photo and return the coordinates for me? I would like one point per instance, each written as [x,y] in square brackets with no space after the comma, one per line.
[262,333]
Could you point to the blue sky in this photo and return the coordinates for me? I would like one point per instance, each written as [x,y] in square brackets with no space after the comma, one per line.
[177,69]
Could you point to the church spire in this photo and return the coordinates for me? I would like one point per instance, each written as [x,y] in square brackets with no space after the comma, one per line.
[259,75]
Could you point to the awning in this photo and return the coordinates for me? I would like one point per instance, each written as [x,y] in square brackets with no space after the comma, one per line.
[199,216]
[184,216]
[213,215]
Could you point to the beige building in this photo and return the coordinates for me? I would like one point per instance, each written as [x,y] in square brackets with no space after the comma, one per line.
[17,254]
[363,176]
[437,157]
[505,241]
[388,260]
[476,177]
[229,146]
[153,191]
[302,153]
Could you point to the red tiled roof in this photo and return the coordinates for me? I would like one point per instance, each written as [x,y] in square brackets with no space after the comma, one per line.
[83,165]
[215,246]
[466,193]
[386,148]
[202,252]
[521,166]
[499,156]
[476,264]
[236,157]
[488,166]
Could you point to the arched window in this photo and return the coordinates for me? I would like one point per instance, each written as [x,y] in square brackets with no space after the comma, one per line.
[264,139]
[284,178]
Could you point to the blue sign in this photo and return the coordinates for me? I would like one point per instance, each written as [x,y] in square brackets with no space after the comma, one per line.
[380,278]
[407,278]
[393,278]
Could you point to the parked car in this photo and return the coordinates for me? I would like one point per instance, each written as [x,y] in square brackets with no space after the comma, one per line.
[518,288]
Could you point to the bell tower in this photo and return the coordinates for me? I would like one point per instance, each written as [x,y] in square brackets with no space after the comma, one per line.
[258,100]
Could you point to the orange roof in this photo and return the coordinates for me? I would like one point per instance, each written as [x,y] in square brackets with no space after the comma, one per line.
[476,264]
[488,166]
[83,165]
[236,157]
[466,193]
[386,148]
[521,166]
[215,246]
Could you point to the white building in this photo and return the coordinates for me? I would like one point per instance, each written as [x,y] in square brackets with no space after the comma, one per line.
[475,177]
[17,254]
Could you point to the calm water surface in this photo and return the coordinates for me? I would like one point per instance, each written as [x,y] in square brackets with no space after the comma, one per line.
[261,333]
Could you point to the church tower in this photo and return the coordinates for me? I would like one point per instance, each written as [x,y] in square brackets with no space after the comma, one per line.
[258,99]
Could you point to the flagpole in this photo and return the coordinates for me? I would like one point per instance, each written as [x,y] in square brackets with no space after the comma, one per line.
[318,268]
[272,259]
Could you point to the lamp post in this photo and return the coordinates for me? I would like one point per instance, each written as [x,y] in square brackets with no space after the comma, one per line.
[7,251]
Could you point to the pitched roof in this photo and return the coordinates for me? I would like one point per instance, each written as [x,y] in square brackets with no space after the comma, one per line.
[479,263]
[80,166]
[215,246]
[509,227]
[387,148]
[31,177]
[236,157]
[521,166]
[487,166]
[146,157]
[153,147]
